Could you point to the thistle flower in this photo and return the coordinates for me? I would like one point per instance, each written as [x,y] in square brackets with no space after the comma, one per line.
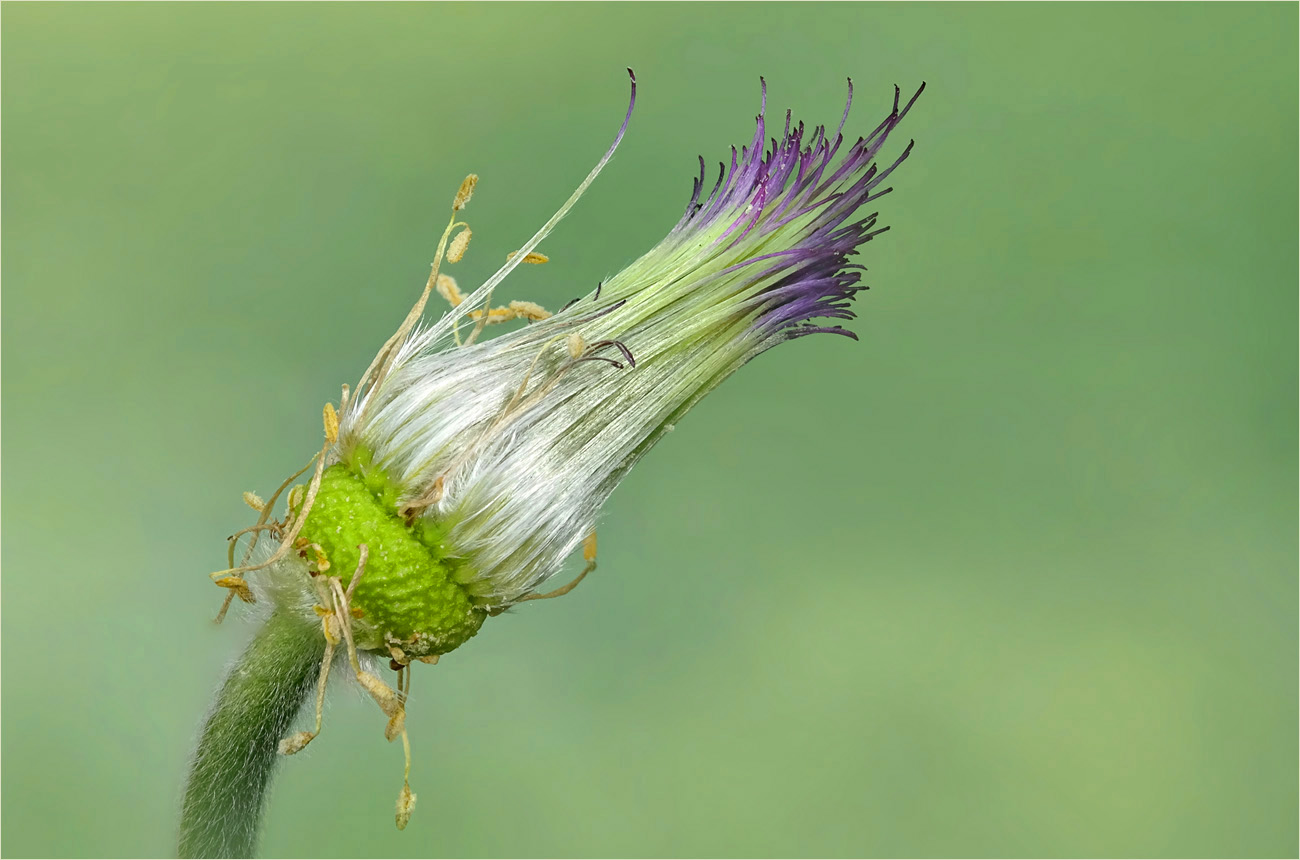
[461,473]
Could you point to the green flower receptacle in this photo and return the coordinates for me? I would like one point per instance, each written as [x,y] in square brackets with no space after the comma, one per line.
[407,598]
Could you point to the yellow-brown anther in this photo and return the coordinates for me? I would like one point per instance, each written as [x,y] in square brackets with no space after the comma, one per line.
[331,627]
[254,501]
[449,290]
[380,692]
[239,586]
[529,310]
[531,257]
[331,423]
[405,805]
[322,560]
[465,193]
[494,315]
[456,249]
[396,723]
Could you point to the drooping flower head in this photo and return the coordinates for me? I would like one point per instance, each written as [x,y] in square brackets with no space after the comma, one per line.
[461,472]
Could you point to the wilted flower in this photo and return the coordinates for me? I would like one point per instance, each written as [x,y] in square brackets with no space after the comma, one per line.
[461,472]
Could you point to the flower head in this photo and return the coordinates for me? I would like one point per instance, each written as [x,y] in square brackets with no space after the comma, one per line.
[461,472]
[513,444]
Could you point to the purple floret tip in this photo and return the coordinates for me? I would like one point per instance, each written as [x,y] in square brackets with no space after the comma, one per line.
[798,179]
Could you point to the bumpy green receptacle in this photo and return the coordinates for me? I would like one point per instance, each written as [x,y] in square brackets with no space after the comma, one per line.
[406,596]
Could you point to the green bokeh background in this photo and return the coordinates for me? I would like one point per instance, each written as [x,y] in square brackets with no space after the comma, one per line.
[1015,575]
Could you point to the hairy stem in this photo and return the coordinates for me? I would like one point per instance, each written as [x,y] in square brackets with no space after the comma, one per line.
[232,766]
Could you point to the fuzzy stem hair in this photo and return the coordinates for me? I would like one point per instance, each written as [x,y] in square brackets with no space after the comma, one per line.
[237,751]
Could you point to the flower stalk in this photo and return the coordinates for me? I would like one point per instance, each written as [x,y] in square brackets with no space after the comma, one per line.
[237,751]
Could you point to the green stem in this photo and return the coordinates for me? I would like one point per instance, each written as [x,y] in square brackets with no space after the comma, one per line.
[232,766]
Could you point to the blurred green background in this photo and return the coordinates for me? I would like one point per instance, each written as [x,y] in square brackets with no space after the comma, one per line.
[1015,575]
